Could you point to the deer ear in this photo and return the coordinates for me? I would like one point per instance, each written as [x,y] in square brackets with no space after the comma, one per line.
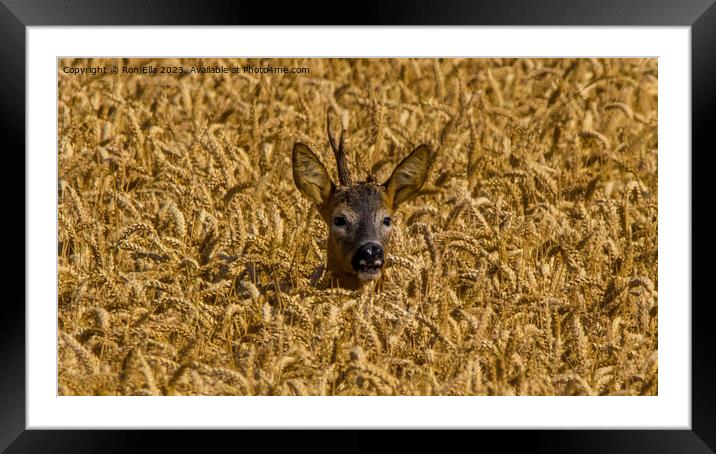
[310,175]
[409,176]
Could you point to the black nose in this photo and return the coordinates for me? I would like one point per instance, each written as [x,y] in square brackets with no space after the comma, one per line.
[368,255]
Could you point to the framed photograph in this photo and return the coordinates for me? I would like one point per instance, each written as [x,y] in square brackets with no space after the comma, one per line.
[448,225]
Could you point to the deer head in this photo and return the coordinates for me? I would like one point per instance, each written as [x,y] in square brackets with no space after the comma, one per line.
[358,215]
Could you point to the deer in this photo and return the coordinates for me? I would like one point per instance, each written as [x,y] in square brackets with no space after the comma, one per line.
[358,215]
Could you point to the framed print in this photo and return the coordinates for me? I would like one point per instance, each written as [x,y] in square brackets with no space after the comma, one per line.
[440,226]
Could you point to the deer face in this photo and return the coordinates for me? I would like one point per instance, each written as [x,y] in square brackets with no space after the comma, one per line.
[359,225]
[358,215]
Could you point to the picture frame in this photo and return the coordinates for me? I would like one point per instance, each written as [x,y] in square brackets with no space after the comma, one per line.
[15,16]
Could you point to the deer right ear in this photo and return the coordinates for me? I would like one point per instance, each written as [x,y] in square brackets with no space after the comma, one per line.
[409,176]
[310,175]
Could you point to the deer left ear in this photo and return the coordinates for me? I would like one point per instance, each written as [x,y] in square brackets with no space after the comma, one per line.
[409,176]
[310,175]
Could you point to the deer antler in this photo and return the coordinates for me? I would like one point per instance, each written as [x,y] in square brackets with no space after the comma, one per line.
[344,175]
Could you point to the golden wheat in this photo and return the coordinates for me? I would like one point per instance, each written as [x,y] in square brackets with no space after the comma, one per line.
[190,264]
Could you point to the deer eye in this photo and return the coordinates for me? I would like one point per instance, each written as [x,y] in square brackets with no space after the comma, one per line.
[339,221]
[387,221]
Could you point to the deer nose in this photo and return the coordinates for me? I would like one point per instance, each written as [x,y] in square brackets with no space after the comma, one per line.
[368,255]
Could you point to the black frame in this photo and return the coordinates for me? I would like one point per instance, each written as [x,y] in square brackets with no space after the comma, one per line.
[15,15]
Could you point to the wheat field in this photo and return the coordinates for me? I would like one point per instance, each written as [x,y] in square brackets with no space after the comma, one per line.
[187,258]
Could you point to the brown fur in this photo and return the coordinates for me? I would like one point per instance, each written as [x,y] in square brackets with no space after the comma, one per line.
[364,206]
